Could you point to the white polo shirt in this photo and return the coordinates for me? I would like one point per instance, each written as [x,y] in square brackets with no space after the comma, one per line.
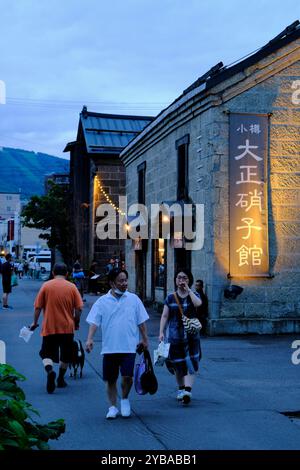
[119,320]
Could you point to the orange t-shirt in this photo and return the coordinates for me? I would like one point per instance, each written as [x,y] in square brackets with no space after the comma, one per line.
[58,298]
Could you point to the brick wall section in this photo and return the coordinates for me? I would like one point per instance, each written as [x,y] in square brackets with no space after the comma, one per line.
[112,178]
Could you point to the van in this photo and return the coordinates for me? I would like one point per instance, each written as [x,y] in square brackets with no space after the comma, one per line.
[30,255]
[44,252]
[31,250]
[28,249]
[44,260]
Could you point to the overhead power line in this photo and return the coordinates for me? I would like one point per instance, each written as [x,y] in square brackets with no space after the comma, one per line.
[58,100]
[75,104]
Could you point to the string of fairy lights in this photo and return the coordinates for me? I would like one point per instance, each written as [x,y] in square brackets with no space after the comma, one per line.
[115,207]
[101,189]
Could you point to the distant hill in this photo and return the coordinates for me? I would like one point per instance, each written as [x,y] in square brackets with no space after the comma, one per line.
[23,171]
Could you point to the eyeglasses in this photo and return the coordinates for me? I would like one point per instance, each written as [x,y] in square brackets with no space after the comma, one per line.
[182,278]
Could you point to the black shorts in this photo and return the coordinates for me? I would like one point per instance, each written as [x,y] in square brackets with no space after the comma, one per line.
[57,347]
[113,363]
[6,285]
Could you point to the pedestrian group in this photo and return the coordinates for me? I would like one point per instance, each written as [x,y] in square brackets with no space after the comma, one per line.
[122,318]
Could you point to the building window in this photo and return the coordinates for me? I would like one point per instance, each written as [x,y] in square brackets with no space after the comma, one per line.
[8,208]
[8,198]
[159,263]
[141,183]
[182,167]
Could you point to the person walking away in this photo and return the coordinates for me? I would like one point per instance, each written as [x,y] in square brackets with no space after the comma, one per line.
[93,272]
[122,317]
[37,270]
[185,350]
[20,269]
[16,264]
[31,268]
[26,268]
[110,266]
[203,309]
[78,276]
[7,269]
[62,305]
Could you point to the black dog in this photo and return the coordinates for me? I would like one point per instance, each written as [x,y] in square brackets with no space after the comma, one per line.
[78,357]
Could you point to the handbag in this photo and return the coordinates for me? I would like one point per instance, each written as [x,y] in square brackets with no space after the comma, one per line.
[144,377]
[192,326]
[161,353]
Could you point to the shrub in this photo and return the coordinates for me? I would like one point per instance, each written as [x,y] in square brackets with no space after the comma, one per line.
[18,430]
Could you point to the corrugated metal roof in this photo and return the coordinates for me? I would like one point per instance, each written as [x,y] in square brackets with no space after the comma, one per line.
[110,132]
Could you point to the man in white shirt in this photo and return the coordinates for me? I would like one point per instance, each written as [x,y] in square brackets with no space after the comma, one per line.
[122,317]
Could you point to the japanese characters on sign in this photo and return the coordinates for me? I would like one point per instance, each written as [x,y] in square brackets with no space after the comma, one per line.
[249,255]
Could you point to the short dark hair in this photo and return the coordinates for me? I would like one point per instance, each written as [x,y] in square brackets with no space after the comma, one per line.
[199,282]
[187,272]
[114,273]
[60,269]
[8,256]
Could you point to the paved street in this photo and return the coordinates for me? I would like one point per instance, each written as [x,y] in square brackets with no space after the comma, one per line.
[244,385]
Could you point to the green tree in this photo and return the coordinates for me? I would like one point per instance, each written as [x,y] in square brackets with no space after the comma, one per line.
[51,212]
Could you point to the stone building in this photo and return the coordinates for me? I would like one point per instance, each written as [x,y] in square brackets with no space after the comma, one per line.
[233,125]
[97,176]
[10,208]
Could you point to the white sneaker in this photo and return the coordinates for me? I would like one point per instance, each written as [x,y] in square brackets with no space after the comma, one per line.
[180,394]
[125,408]
[112,412]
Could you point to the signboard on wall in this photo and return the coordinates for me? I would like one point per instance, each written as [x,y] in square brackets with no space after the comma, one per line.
[248,204]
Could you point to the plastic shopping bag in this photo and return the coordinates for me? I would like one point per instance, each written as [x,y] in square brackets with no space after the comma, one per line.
[14,280]
[25,333]
[161,353]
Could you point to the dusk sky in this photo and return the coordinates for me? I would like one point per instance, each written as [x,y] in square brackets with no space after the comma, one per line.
[121,56]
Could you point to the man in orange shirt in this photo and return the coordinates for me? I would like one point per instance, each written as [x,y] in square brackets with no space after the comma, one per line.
[62,305]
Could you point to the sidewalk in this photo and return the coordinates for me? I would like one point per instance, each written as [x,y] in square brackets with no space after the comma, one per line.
[244,385]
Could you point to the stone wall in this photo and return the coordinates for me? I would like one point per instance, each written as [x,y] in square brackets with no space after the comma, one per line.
[161,177]
[267,305]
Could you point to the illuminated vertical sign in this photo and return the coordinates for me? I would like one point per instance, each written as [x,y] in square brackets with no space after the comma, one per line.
[248,150]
